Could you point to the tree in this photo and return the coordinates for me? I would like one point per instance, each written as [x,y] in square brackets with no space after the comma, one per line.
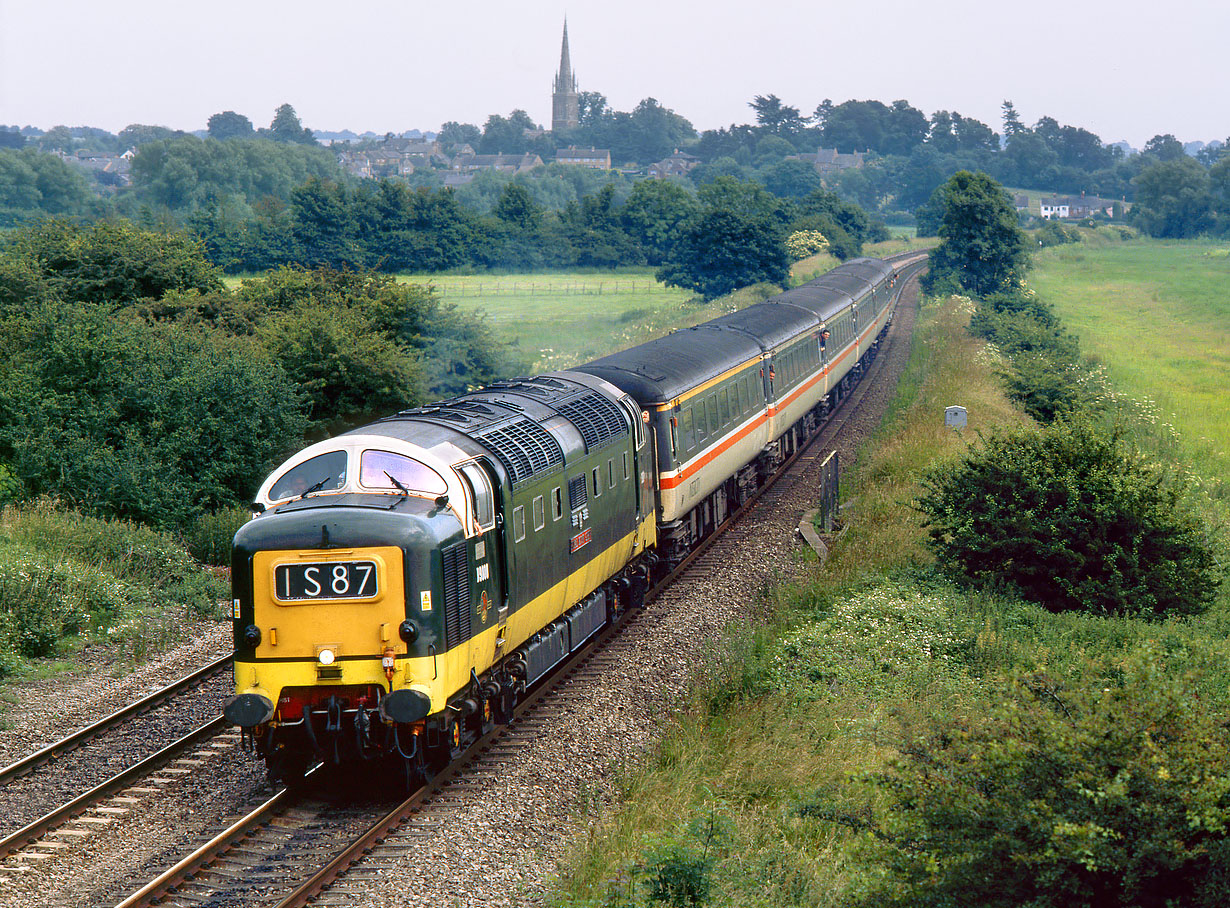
[230,125]
[774,116]
[1164,148]
[287,128]
[1012,120]
[506,135]
[981,247]
[1174,198]
[725,250]
[114,264]
[454,133]
[1074,520]
[656,213]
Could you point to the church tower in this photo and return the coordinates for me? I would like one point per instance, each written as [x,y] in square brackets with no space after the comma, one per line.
[565,100]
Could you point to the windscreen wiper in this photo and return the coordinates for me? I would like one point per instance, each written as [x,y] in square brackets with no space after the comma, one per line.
[400,487]
[316,488]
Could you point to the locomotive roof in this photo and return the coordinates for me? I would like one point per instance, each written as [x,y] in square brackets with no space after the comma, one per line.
[531,424]
[662,369]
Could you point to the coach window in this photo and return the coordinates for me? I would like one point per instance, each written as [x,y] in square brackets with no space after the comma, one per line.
[702,427]
[689,433]
[518,524]
[557,503]
[540,514]
[480,493]
[711,408]
[724,406]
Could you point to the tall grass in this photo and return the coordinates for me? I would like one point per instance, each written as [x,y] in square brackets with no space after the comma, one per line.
[68,580]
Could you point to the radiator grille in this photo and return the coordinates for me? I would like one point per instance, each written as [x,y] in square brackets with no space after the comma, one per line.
[456,595]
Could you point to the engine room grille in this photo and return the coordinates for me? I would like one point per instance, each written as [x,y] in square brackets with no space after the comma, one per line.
[456,595]
[578,492]
[525,448]
[598,419]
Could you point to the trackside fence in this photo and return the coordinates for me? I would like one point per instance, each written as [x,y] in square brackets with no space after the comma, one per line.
[531,288]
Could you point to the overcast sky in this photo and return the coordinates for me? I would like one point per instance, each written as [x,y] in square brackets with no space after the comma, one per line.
[1127,69]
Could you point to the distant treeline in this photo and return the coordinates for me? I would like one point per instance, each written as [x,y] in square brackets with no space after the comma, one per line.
[241,175]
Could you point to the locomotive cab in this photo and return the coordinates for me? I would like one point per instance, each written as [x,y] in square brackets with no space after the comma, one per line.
[340,586]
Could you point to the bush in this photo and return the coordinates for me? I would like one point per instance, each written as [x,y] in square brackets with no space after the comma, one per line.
[208,538]
[1074,520]
[1112,793]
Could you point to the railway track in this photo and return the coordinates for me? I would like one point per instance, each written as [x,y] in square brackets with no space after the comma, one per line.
[251,861]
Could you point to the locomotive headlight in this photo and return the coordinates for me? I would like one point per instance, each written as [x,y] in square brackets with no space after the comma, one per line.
[252,636]
[326,657]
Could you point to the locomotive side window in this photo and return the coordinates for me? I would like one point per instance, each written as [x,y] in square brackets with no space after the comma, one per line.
[610,473]
[557,503]
[597,483]
[540,514]
[518,523]
[386,470]
[626,473]
[323,473]
[480,493]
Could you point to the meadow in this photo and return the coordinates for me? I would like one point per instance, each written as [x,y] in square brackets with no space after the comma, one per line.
[561,319]
[1157,315]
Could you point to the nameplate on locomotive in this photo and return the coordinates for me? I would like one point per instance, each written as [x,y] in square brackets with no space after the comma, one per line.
[580,540]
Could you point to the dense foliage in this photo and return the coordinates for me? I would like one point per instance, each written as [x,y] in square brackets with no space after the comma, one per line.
[1110,792]
[133,385]
[1074,519]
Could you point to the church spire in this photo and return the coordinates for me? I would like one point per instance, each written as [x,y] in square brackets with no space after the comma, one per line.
[566,80]
[565,100]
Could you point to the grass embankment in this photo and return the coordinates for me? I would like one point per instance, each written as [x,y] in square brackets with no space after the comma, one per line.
[794,724]
[1158,316]
[69,581]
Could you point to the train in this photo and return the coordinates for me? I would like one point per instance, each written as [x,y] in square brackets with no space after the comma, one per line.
[403,584]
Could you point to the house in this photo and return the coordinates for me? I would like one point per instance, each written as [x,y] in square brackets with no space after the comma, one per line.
[593,158]
[1020,202]
[507,163]
[678,164]
[830,160]
[1076,207]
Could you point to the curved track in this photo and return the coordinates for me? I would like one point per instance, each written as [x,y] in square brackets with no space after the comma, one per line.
[299,830]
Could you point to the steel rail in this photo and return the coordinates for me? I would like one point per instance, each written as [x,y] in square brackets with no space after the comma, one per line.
[155,889]
[81,736]
[118,782]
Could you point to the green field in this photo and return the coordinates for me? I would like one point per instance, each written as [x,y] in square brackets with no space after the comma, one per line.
[1157,314]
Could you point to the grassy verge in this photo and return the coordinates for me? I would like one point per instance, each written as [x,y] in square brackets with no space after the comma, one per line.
[761,792]
[69,581]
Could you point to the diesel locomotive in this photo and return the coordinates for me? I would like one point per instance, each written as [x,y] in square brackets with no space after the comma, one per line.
[402,585]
